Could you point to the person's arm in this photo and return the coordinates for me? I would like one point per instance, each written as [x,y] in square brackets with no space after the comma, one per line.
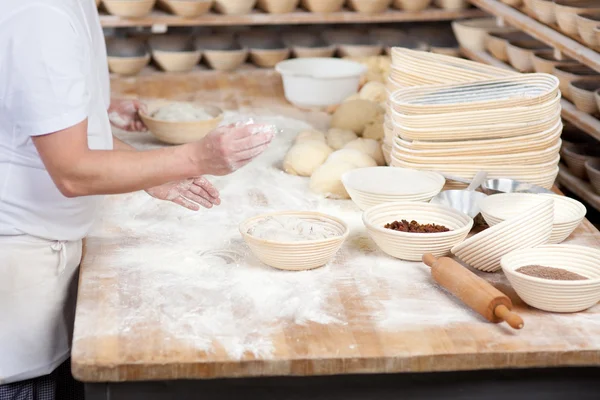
[78,171]
[120,145]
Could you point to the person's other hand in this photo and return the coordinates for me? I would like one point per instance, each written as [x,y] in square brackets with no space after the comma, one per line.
[190,193]
[124,115]
[228,148]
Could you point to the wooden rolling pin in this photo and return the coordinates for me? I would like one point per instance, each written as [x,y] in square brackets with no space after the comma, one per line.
[474,291]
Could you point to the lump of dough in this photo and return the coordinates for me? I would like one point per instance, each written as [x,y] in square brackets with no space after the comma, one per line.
[374,129]
[305,157]
[374,91]
[327,179]
[338,138]
[368,146]
[352,156]
[355,96]
[355,115]
[310,135]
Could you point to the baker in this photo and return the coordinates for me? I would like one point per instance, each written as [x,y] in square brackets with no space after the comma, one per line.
[57,158]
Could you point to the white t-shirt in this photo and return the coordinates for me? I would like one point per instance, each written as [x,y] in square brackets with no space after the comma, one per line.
[53,75]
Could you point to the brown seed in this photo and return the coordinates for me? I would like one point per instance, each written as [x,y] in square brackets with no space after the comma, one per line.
[415,227]
[556,274]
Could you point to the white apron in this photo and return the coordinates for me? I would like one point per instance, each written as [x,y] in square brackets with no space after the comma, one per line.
[38,290]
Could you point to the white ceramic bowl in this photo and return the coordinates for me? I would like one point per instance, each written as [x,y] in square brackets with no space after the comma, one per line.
[529,229]
[299,255]
[554,295]
[319,82]
[372,186]
[412,246]
[568,213]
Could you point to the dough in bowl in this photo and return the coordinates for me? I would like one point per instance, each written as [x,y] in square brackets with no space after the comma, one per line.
[305,157]
[182,112]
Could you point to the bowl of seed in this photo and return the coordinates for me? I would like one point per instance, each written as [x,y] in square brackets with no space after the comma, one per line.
[407,230]
[556,278]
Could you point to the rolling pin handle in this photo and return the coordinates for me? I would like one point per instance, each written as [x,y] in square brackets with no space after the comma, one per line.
[512,319]
[429,259]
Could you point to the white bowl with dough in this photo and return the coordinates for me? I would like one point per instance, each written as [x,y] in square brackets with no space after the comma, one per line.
[412,246]
[555,295]
[179,132]
[319,82]
[295,255]
[369,187]
[568,213]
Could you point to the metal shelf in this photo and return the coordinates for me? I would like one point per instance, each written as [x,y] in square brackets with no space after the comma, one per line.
[544,33]
[581,120]
[160,18]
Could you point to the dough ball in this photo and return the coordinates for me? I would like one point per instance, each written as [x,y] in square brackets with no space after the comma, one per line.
[355,115]
[305,157]
[327,179]
[338,138]
[374,91]
[352,156]
[310,135]
[355,96]
[374,129]
[370,147]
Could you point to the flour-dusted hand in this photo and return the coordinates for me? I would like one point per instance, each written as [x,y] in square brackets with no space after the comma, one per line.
[190,193]
[228,148]
[124,114]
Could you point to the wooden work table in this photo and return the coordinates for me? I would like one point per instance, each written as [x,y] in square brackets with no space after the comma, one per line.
[376,315]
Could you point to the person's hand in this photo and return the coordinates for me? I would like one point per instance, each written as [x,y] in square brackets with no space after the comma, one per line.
[228,148]
[124,115]
[190,193]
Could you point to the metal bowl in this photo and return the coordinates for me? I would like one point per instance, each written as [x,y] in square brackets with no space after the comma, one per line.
[504,185]
[464,201]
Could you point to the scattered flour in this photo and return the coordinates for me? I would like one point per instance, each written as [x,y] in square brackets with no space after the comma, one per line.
[291,229]
[190,276]
[182,112]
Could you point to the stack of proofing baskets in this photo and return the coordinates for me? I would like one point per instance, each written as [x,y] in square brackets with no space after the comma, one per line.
[459,117]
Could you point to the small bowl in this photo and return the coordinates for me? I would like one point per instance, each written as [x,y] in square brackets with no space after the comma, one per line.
[278,6]
[583,94]
[173,132]
[593,171]
[471,33]
[127,56]
[568,213]
[234,7]
[308,45]
[504,185]
[586,23]
[484,250]
[576,156]
[376,185]
[174,53]
[545,11]
[268,58]
[452,5]
[186,8]
[412,246]
[520,54]
[544,61]
[129,8]
[568,73]
[323,6]
[567,11]
[554,295]
[411,5]
[369,6]
[225,60]
[496,42]
[319,82]
[299,255]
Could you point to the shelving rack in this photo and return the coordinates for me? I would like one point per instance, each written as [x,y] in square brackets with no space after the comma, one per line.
[160,18]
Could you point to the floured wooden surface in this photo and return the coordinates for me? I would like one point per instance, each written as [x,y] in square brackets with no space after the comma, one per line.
[166,293]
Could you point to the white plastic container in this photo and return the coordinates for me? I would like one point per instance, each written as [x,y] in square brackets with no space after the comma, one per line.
[319,82]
